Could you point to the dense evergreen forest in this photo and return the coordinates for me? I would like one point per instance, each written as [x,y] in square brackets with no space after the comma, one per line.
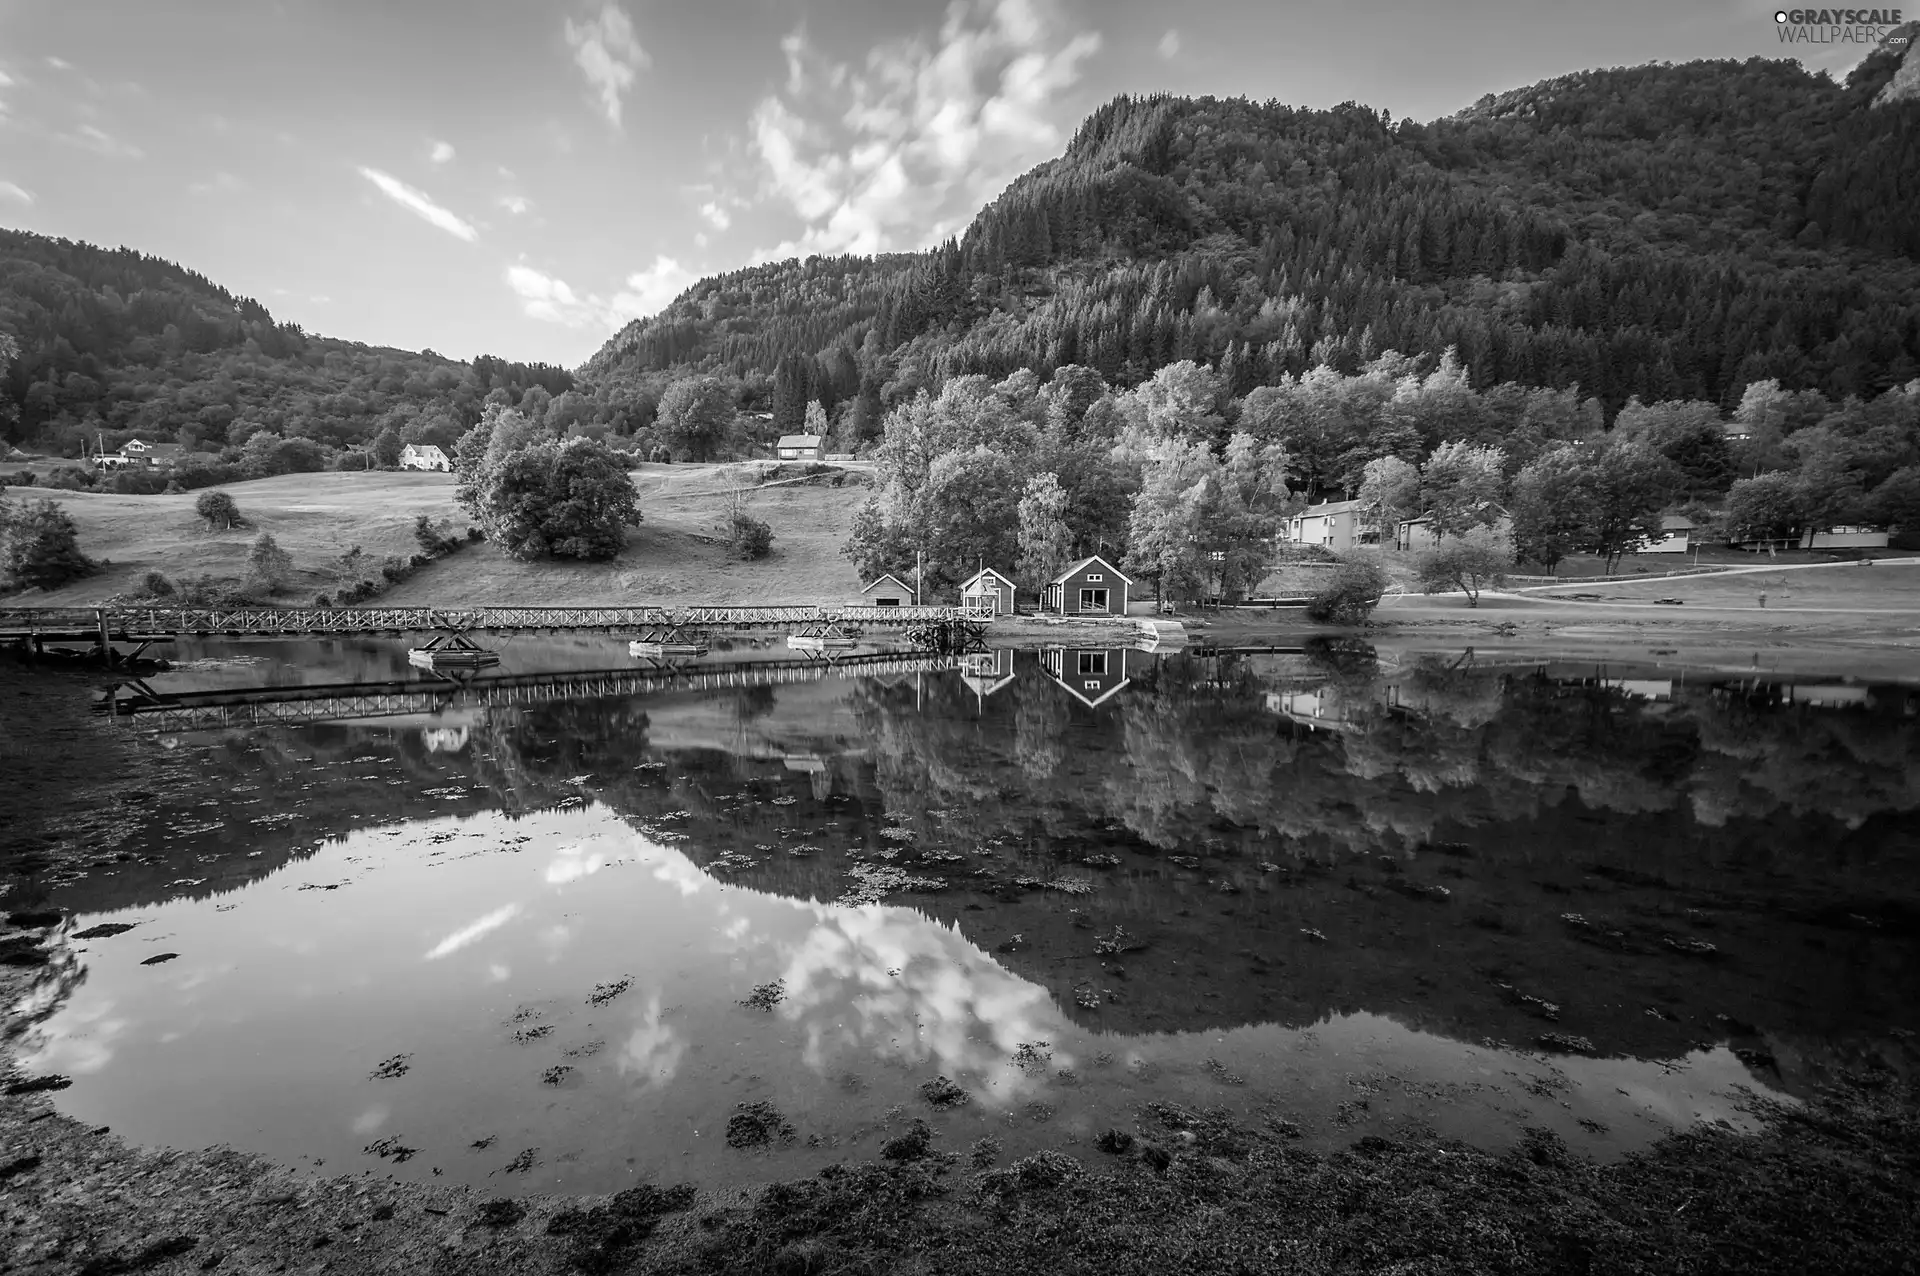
[1666,232]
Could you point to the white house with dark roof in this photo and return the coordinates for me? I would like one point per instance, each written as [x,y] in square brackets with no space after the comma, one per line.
[1675,538]
[798,447]
[424,456]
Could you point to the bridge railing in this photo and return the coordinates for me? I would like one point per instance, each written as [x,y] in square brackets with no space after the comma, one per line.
[350,620]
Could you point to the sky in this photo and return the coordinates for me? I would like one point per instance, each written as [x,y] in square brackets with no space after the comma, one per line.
[521,178]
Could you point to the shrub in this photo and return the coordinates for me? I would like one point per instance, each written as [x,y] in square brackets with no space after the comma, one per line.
[435,541]
[475,536]
[751,538]
[193,477]
[23,478]
[219,510]
[350,461]
[1355,590]
[70,478]
[156,585]
[321,600]
[394,569]
[39,546]
[267,564]
[1469,563]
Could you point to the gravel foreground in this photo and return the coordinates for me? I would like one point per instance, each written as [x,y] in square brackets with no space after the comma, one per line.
[1827,1188]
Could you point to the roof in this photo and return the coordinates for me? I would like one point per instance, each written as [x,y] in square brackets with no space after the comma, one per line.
[1676,523]
[1328,507]
[985,571]
[799,440]
[423,447]
[1088,562]
[1428,516]
[897,584]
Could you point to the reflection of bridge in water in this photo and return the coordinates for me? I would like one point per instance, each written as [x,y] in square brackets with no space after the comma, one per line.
[137,703]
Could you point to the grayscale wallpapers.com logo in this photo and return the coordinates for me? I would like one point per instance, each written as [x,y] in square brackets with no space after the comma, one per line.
[1837,26]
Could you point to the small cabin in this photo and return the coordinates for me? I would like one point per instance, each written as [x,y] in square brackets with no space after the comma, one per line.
[1335,525]
[1091,587]
[424,456]
[151,456]
[1091,675]
[987,592]
[1676,534]
[888,591]
[798,447]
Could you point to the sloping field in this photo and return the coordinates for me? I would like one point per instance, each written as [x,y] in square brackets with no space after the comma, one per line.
[1887,585]
[678,555]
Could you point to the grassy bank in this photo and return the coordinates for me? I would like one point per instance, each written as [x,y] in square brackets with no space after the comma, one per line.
[678,555]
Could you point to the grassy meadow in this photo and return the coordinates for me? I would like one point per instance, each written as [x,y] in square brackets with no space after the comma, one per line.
[678,555]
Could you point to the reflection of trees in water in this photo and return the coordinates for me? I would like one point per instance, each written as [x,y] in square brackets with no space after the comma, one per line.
[1192,752]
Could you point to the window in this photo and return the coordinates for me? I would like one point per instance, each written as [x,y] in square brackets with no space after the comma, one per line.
[1093,662]
[1090,686]
[1093,600]
[1095,576]
[886,602]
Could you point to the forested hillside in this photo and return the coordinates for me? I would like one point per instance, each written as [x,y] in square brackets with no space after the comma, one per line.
[1666,232]
[113,343]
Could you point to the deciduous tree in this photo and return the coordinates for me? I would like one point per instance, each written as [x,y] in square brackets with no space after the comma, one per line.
[566,498]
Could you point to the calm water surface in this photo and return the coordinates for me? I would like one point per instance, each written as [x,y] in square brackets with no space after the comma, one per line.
[550,935]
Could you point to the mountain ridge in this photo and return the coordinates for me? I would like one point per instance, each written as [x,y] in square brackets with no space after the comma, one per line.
[1665,231]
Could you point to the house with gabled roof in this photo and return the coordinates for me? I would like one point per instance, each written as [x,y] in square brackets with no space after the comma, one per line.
[1091,587]
[888,591]
[798,447]
[987,672]
[988,592]
[1333,525]
[424,456]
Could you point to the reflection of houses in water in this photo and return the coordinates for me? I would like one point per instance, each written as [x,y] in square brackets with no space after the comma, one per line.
[1830,695]
[1642,688]
[986,672]
[1091,675]
[444,739]
[1317,709]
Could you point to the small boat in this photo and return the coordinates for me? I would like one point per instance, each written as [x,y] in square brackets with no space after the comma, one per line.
[658,649]
[816,642]
[451,658]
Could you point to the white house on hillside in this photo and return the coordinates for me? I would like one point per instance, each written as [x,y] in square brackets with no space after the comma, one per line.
[1334,524]
[424,456]
[798,447]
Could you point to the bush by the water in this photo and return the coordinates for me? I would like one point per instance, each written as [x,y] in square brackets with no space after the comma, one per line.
[1470,563]
[156,585]
[435,540]
[1355,590]
[39,546]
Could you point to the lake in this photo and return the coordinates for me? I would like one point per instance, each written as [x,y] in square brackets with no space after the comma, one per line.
[580,921]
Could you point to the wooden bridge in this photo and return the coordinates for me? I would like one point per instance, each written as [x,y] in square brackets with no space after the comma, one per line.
[106,625]
[134,702]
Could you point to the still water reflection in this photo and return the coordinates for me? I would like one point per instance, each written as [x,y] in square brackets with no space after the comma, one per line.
[554,943]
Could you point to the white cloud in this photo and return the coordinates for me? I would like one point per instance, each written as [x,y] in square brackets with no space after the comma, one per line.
[899,152]
[550,299]
[515,204]
[16,193]
[650,289]
[608,54]
[1170,44]
[718,217]
[699,239]
[441,153]
[478,929]
[103,143]
[218,184]
[6,81]
[416,202]
[59,64]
